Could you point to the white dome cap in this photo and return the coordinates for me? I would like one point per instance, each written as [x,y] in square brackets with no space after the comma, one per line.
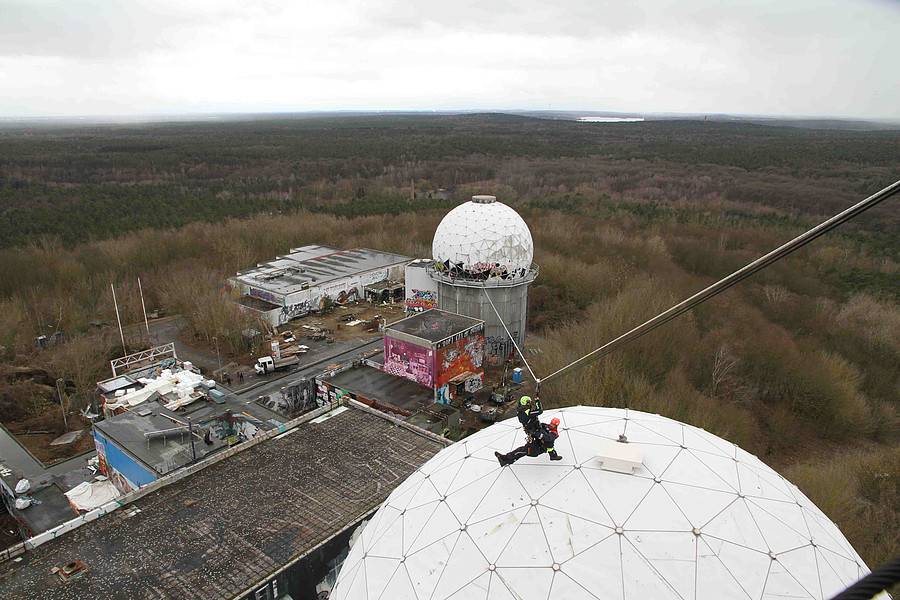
[699,519]
[483,233]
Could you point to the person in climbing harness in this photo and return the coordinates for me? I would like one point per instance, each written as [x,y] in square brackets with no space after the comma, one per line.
[528,413]
[536,445]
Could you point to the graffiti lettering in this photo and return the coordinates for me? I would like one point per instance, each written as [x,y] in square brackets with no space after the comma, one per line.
[267,296]
[374,277]
[293,311]
[422,299]
[472,331]
[500,345]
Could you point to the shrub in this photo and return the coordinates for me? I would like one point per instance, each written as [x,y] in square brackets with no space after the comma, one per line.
[860,491]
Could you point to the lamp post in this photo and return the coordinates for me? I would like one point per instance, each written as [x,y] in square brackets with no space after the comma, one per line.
[219,358]
[191,435]
[58,393]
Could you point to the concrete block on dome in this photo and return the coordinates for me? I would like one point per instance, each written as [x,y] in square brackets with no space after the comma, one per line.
[618,456]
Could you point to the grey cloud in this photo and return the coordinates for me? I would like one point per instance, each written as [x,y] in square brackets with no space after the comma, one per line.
[749,55]
[93,29]
[532,17]
[785,23]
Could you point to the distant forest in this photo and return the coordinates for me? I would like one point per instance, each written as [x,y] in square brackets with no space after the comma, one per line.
[97,182]
[799,364]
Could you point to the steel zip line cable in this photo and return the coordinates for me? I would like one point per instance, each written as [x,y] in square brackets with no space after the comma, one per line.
[724,284]
[511,338]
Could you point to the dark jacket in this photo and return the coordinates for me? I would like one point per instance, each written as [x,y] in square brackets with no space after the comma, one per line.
[528,417]
[548,436]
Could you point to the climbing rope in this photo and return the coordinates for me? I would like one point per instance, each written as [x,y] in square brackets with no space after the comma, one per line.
[519,350]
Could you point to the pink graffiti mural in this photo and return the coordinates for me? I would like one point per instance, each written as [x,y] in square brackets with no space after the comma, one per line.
[407,360]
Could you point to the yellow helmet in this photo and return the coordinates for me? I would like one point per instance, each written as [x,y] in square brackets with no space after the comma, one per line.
[524,400]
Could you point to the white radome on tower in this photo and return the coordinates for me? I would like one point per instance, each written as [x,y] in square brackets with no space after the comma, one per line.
[698,519]
[483,233]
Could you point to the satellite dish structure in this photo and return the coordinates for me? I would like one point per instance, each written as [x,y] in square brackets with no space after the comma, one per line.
[699,518]
[482,268]
[484,233]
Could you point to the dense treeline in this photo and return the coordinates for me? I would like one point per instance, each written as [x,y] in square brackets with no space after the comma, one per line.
[799,364]
[94,183]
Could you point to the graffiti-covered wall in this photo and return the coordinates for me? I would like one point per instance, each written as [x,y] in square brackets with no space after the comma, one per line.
[329,393]
[408,360]
[424,299]
[421,290]
[461,356]
[345,289]
[302,302]
[125,472]
[267,296]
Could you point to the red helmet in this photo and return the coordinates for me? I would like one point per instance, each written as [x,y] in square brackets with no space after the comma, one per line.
[554,422]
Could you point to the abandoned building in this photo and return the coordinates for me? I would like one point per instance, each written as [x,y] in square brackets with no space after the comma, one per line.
[429,360]
[265,520]
[440,350]
[162,415]
[297,283]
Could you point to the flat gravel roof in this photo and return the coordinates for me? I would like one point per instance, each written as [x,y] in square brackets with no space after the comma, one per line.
[433,325]
[217,532]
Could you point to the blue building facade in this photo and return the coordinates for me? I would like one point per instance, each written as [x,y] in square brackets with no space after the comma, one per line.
[125,471]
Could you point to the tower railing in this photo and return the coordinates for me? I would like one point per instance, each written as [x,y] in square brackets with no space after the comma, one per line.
[492,281]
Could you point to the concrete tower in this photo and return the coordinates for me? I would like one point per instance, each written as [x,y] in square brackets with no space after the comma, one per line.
[482,254]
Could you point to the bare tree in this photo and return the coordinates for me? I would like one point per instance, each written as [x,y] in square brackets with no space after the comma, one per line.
[724,382]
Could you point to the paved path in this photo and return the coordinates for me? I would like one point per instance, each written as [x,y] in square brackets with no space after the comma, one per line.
[265,385]
[319,355]
[15,455]
[166,330]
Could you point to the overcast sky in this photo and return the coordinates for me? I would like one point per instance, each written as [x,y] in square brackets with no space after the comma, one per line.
[772,57]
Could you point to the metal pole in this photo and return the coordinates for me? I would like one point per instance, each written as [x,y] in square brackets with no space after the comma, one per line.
[218,358]
[727,282]
[61,406]
[116,304]
[191,435]
[144,308]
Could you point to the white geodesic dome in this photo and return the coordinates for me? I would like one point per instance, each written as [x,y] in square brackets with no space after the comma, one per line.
[482,233]
[699,519]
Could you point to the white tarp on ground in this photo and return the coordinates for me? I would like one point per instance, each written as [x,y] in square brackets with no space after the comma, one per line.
[88,496]
[183,382]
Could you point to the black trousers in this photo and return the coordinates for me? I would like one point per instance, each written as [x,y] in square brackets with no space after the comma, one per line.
[530,449]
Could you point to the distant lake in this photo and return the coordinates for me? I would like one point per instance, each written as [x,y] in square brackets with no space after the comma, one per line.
[610,119]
